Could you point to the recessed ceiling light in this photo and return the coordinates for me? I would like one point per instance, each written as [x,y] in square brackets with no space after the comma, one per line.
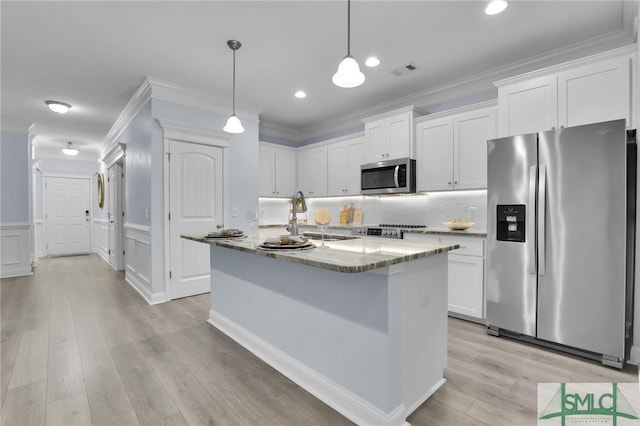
[372,61]
[70,149]
[496,6]
[300,94]
[57,106]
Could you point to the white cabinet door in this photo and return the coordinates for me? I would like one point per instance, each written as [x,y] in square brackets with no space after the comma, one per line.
[434,149]
[376,140]
[312,171]
[399,136]
[470,134]
[529,106]
[267,171]
[466,274]
[595,92]
[337,179]
[355,158]
[285,172]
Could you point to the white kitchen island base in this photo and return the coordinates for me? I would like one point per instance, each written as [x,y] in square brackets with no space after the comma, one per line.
[372,345]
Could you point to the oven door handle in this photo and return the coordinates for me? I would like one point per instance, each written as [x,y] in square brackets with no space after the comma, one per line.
[395,176]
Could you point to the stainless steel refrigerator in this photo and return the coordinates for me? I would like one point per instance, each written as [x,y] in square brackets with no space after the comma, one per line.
[561,215]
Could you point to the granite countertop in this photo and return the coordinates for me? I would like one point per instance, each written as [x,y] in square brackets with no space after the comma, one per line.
[348,256]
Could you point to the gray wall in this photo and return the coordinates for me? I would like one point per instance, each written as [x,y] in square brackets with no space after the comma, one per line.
[14,177]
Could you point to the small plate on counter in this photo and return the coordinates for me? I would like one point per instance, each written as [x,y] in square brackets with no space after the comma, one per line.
[458,225]
[226,233]
[285,242]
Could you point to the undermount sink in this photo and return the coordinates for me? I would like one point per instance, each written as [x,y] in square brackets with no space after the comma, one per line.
[328,237]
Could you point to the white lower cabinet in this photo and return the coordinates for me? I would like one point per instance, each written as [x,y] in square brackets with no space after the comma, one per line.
[466,295]
[466,275]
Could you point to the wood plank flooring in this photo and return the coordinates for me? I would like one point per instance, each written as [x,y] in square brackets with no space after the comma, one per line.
[79,346]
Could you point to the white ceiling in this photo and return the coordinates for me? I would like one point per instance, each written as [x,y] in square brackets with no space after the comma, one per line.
[94,55]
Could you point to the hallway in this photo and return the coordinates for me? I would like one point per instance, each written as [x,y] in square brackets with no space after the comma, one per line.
[81,347]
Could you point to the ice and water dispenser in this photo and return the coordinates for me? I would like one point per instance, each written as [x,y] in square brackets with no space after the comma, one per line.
[511,219]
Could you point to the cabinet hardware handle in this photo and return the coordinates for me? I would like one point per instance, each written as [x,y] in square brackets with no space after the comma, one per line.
[455,182]
[449,183]
[553,127]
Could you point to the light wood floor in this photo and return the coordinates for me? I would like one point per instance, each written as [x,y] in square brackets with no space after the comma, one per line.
[80,347]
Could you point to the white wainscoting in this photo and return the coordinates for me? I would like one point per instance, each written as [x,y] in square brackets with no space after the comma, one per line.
[137,261]
[15,259]
[101,238]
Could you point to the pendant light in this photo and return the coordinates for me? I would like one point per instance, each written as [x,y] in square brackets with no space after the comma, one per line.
[70,149]
[233,123]
[348,74]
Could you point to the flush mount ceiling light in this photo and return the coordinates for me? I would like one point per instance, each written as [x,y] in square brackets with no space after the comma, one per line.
[372,61]
[233,123]
[59,107]
[70,149]
[496,6]
[348,74]
[300,94]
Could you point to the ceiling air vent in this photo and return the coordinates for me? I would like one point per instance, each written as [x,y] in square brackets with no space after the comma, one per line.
[406,68]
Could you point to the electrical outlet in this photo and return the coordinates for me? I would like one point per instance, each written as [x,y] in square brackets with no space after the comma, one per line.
[146,213]
[234,212]
[473,214]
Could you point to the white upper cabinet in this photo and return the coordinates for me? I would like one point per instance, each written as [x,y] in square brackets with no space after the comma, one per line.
[343,168]
[312,171]
[593,89]
[595,92]
[390,136]
[452,148]
[277,171]
[528,106]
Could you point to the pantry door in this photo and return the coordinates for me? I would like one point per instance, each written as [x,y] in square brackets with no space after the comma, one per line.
[67,215]
[196,207]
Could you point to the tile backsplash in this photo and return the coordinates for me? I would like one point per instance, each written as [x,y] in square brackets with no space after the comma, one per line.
[419,209]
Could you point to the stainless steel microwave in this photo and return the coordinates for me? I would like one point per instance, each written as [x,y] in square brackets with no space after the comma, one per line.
[388,177]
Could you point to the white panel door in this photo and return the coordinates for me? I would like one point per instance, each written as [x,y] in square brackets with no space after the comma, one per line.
[116,218]
[355,158]
[399,143]
[196,207]
[68,215]
[466,292]
[285,172]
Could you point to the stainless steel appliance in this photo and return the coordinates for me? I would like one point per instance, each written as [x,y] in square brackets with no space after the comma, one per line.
[384,230]
[561,221]
[388,177]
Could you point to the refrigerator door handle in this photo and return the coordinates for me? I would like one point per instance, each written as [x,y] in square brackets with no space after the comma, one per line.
[542,214]
[531,220]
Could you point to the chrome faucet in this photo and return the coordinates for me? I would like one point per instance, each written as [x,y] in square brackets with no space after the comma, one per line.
[293,226]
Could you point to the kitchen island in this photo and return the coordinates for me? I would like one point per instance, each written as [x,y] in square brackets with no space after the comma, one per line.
[362,325]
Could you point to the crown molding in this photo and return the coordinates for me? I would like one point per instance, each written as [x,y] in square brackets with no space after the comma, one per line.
[133,107]
[282,132]
[181,132]
[169,92]
[472,85]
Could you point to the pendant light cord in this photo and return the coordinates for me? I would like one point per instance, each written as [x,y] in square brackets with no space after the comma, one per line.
[348,27]
[234,82]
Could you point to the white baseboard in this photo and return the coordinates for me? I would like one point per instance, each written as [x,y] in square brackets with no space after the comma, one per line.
[340,399]
[634,356]
[151,298]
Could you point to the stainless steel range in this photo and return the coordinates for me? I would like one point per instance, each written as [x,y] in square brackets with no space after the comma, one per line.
[384,230]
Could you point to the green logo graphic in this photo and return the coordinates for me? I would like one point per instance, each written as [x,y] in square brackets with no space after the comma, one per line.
[565,405]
